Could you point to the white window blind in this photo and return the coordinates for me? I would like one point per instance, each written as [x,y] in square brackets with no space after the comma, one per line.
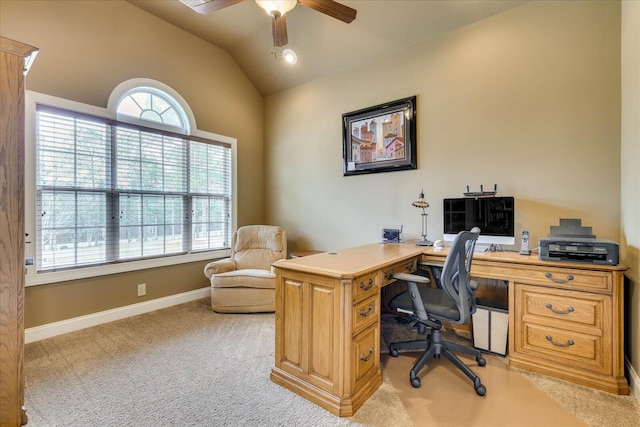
[112,192]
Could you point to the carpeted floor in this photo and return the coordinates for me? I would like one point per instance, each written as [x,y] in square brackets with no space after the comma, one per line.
[180,366]
[188,366]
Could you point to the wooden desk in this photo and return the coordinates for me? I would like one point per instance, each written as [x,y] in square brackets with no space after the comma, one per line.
[300,254]
[565,319]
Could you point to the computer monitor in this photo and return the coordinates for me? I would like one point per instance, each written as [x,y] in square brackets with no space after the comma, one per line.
[493,215]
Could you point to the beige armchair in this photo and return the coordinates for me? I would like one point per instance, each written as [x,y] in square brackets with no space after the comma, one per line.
[245,282]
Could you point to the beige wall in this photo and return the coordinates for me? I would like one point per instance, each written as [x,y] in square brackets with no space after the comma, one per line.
[48,303]
[86,49]
[630,208]
[528,99]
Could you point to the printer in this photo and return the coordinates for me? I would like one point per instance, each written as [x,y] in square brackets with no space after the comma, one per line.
[570,242]
[578,249]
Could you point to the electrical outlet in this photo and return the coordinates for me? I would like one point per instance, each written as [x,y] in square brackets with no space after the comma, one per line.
[142,289]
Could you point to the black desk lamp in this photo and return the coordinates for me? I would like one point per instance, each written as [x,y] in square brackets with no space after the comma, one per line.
[423,204]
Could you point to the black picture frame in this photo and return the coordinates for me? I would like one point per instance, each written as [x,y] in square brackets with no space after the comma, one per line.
[380,138]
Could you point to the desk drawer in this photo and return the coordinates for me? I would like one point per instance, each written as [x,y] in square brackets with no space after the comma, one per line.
[366,355]
[562,308]
[568,347]
[566,278]
[365,286]
[365,313]
[408,266]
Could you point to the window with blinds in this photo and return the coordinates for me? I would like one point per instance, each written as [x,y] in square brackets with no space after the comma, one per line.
[111,192]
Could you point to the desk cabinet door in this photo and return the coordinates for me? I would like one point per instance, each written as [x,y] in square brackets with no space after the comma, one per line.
[308,328]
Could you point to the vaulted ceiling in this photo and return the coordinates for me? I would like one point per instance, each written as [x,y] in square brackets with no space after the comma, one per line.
[324,45]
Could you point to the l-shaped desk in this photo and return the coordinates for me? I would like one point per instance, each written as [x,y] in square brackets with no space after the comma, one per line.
[565,319]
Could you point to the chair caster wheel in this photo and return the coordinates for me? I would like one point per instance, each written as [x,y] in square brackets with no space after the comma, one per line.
[393,352]
[481,390]
[415,382]
[481,361]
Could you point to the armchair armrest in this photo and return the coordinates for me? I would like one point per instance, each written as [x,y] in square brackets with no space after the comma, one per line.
[273,269]
[219,266]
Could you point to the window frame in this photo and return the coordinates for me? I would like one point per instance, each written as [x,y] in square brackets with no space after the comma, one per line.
[32,99]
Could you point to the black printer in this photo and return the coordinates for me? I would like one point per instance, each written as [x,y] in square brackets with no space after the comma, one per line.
[570,242]
[579,249]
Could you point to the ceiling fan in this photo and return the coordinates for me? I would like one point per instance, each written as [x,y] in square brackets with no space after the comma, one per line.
[277,10]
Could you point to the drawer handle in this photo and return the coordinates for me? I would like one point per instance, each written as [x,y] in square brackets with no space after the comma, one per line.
[557,344]
[365,287]
[367,358]
[366,313]
[569,309]
[410,266]
[389,275]
[550,277]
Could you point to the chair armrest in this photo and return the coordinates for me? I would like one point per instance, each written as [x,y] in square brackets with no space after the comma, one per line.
[219,266]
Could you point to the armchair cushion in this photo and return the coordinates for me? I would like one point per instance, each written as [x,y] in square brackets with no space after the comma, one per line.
[258,246]
[247,278]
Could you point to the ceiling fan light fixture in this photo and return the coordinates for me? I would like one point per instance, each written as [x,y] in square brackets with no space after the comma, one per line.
[289,56]
[279,6]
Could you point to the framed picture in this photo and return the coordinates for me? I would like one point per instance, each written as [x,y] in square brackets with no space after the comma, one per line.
[380,138]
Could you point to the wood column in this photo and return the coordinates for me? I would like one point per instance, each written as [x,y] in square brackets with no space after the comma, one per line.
[15,57]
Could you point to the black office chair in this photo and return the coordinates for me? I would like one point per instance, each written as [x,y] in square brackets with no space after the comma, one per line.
[453,303]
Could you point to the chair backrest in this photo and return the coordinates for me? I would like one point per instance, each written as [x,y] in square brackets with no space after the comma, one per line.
[258,246]
[456,274]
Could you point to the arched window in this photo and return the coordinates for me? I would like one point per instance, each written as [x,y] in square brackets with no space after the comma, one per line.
[141,101]
[151,104]
[135,182]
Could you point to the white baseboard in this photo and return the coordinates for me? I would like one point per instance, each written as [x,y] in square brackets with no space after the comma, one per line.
[634,380]
[49,330]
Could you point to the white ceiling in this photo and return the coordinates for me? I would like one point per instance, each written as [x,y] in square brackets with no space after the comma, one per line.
[324,45]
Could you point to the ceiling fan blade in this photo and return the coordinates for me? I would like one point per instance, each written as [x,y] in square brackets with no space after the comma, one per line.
[208,6]
[279,30]
[331,8]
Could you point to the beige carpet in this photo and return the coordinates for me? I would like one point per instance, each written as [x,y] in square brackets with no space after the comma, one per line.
[597,408]
[189,366]
[181,366]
